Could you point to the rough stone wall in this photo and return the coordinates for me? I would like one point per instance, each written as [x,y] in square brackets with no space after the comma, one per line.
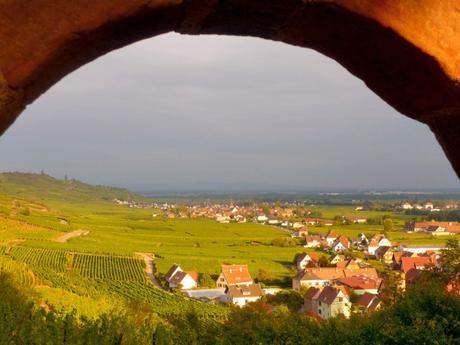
[406,51]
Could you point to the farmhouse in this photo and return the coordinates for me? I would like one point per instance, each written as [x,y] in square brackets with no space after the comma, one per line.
[234,275]
[327,302]
[177,278]
[240,295]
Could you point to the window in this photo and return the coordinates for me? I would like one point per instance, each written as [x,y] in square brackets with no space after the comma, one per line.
[340,299]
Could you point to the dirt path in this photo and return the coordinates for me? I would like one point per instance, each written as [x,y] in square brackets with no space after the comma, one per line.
[150,268]
[69,235]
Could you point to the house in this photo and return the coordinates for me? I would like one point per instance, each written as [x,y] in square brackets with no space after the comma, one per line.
[376,242]
[302,232]
[262,219]
[297,225]
[360,240]
[324,276]
[356,219]
[312,241]
[384,253]
[368,303]
[412,267]
[341,244]
[317,277]
[177,278]
[330,238]
[304,260]
[240,295]
[434,228]
[313,221]
[428,206]
[361,284]
[327,302]
[407,206]
[422,249]
[234,275]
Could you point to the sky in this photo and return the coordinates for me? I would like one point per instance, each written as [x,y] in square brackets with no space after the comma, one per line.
[217,113]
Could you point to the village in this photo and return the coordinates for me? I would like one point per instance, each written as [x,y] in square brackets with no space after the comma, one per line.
[335,274]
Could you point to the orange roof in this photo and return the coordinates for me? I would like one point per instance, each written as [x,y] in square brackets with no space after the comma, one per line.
[408,263]
[367,272]
[193,274]
[360,282]
[236,274]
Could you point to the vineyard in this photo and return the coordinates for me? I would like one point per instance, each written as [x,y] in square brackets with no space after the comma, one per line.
[110,267]
[54,259]
[121,278]
[19,270]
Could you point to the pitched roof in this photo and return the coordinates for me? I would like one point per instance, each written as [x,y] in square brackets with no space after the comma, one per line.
[250,290]
[194,275]
[322,273]
[236,274]
[361,282]
[368,301]
[178,278]
[311,293]
[408,263]
[367,272]
[171,271]
[329,294]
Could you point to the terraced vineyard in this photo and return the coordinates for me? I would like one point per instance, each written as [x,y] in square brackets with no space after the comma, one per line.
[54,259]
[19,270]
[117,268]
[161,302]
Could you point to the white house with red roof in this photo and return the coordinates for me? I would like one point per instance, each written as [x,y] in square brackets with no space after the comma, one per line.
[341,244]
[177,278]
[240,295]
[330,238]
[376,242]
[327,302]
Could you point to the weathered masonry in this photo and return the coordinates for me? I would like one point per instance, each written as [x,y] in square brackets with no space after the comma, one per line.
[406,51]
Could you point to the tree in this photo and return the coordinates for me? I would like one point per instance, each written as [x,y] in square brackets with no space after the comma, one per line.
[263,276]
[388,225]
[207,281]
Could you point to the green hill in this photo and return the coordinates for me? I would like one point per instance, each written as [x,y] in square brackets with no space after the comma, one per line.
[47,188]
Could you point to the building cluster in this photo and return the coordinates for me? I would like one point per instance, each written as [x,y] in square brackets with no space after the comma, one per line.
[427,206]
[344,284]
[434,228]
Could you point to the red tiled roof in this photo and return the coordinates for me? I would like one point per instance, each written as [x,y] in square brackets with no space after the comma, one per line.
[360,282]
[193,274]
[408,263]
[236,274]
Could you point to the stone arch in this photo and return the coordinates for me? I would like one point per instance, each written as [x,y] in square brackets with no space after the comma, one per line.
[406,51]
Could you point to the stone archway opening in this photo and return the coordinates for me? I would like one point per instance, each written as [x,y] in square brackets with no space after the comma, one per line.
[407,52]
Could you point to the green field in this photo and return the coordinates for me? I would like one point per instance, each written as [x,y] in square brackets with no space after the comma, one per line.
[101,269]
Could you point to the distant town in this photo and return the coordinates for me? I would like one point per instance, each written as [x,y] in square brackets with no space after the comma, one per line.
[336,274]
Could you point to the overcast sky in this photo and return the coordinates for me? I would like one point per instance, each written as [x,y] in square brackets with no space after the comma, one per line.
[222,113]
